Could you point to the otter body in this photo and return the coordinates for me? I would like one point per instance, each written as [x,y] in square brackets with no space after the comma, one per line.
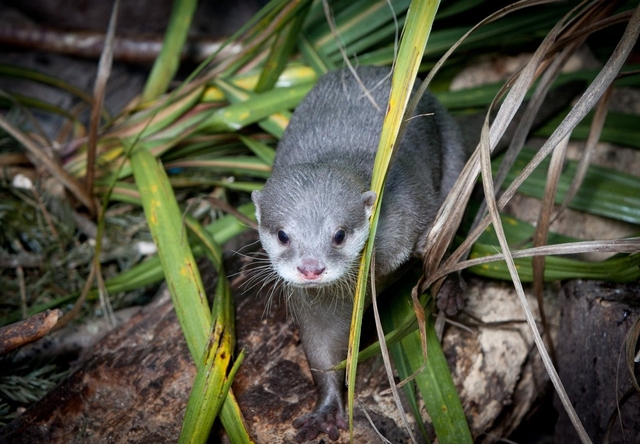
[313,213]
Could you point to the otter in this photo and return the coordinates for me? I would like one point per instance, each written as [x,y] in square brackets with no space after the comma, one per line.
[313,213]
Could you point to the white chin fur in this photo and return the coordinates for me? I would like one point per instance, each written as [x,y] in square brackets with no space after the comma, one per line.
[292,276]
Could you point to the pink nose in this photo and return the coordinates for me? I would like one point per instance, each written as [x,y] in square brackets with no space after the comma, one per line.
[311,269]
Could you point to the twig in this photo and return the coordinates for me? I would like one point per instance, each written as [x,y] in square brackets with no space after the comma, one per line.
[137,49]
[26,331]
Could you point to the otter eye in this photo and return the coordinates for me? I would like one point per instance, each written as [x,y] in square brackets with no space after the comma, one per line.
[283,237]
[339,237]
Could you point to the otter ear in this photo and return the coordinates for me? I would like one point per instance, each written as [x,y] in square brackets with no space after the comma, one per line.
[255,197]
[368,199]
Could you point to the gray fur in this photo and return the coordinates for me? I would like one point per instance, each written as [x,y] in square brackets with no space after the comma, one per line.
[321,175]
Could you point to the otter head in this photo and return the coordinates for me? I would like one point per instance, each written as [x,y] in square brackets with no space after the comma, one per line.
[313,222]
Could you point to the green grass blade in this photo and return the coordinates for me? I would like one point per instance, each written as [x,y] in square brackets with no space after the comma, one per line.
[205,398]
[481,96]
[294,74]
[280,14]
[604,192]
[233,421]
[148,122]
[9,100]
[499,35]
[276,123]
[211,383]
[372,39]
[189,181]
[457,7]
[416,32]
[212,249]
[355,22]
[620,268]
[23,73]
[281,49]
[619,128]
[168,61]
[237,165]
[182,275]
[251,108]
[195,144]
[316,60]
[403,324]
[623,268]
[403,368]
[262,151]
[170,121]
[434,381]
[211,354]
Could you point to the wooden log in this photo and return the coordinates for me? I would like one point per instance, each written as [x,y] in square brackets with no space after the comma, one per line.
[133,388]
[595,320]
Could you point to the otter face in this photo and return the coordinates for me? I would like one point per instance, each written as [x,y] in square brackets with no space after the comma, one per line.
[313,225]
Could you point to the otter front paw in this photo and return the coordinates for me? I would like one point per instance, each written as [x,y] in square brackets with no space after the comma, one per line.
[327,420]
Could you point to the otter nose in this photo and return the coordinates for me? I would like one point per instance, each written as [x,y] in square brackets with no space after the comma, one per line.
[311,269]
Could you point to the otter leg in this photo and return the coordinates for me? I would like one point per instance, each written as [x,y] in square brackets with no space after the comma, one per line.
[324,330]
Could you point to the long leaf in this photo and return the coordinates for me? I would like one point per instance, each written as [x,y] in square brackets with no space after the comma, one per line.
[212,383]
[178,263]
[166,65]
[233,421]
[23,73]
[434,381]
[187,293]
[416,32]
[281,49]
[605,192]
[253,109]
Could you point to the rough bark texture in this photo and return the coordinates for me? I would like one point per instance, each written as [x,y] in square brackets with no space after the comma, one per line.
[595,320]
[26,331]
[133,388]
